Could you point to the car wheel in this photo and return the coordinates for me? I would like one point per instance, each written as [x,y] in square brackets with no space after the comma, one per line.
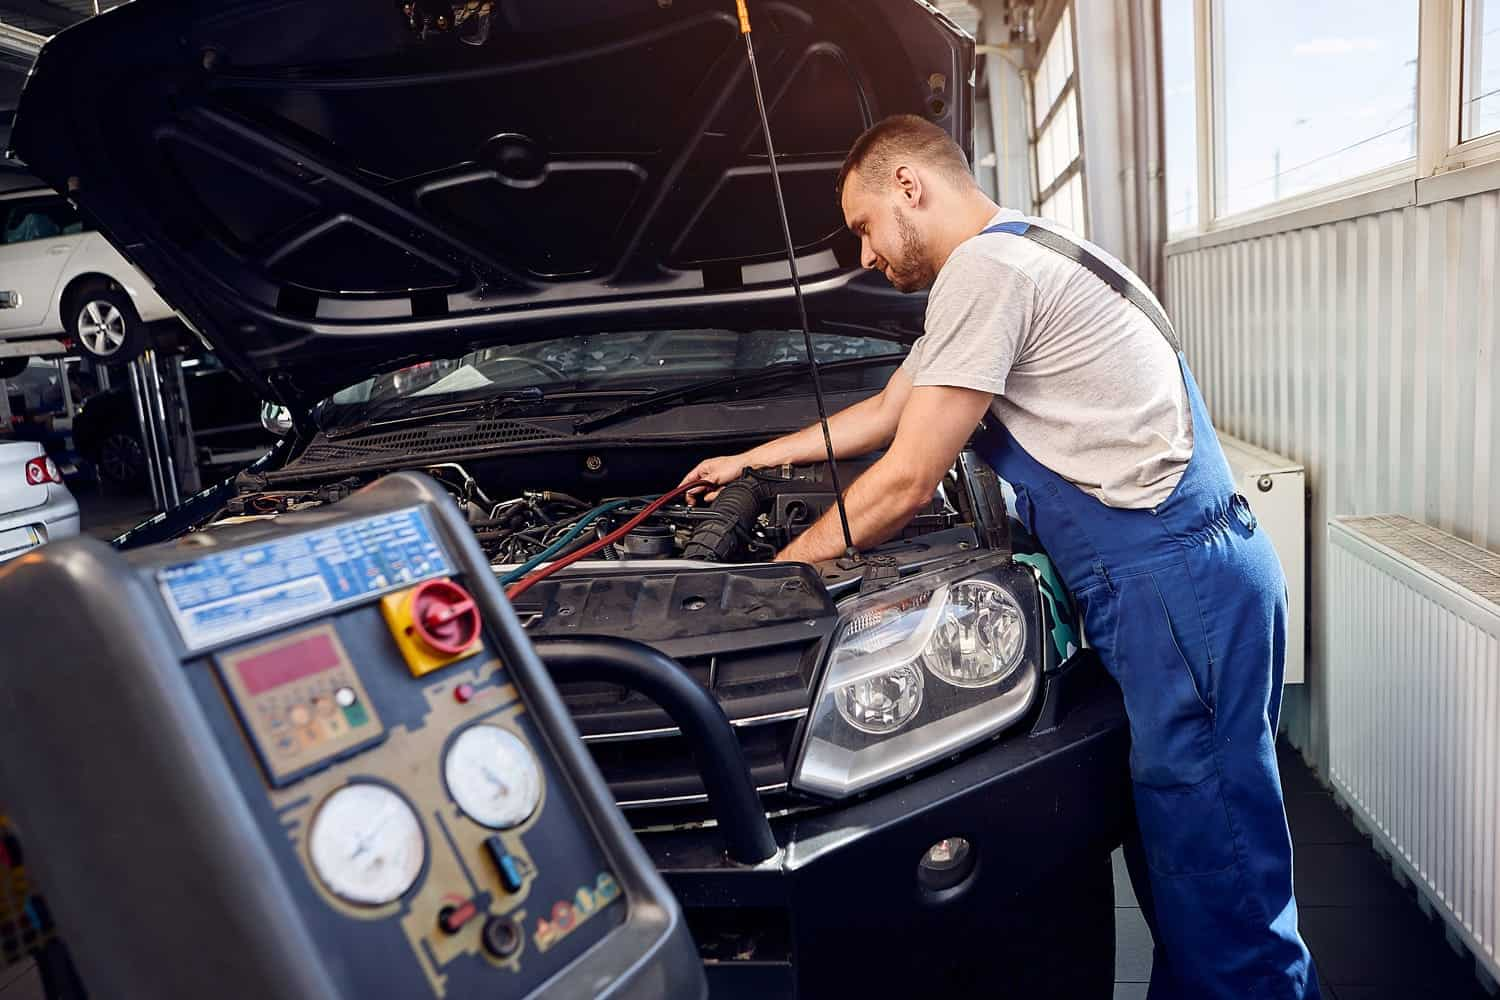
[105,324]
[11,367]
[121,460]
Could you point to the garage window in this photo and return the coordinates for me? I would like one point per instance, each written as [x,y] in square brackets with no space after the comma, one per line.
[1057,144]
[1312,95]
[1481,78]
[1180,100]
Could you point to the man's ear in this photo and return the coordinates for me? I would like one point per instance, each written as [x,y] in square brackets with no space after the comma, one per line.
[908,186]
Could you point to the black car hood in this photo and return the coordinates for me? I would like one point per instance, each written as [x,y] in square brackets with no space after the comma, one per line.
[326,192]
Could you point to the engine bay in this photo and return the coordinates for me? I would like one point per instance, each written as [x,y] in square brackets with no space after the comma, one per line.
[747,521]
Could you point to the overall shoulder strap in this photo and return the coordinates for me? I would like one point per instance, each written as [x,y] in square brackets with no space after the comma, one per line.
[1114,279]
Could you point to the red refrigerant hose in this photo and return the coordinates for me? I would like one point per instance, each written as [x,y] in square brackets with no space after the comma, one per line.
[542,572]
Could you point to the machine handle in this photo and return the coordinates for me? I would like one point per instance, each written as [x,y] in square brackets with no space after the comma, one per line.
[10,300]
[720,758]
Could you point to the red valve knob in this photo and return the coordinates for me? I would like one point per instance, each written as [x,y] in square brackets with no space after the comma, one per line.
[443,617]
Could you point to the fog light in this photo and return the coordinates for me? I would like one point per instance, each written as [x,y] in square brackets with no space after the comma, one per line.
[881,703]
[946,864]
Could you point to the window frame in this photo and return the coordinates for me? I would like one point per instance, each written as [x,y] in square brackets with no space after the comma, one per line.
[1075,167]
[1440,150]
[1447,56]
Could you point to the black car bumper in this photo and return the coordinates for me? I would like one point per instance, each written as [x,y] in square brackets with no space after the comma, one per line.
[840,911]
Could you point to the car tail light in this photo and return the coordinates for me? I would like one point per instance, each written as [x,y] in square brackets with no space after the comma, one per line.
[42,470]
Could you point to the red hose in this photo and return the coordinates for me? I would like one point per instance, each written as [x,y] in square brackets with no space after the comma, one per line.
[542,572]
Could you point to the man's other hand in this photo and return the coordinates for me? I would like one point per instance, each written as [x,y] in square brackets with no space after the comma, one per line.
[720,471]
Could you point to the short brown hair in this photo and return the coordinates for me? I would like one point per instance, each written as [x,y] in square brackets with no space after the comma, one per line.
[902,137]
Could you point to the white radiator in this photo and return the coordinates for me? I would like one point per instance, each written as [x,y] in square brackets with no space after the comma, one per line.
[1414,710]
[1276,488]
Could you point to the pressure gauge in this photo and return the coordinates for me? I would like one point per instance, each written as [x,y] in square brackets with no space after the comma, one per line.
[366,844]
[492,776]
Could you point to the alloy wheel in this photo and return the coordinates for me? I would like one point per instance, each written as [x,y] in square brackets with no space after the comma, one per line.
[101,327]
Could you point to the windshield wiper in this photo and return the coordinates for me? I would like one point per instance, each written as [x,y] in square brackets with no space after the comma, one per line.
[476,409]
[479,408]
[667,397]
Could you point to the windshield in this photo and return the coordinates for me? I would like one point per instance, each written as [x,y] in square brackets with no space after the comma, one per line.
[596,365]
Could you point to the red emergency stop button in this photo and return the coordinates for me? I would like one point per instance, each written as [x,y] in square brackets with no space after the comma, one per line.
[443,617]
[434,624]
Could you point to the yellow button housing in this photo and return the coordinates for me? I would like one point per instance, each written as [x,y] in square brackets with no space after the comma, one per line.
[420,658]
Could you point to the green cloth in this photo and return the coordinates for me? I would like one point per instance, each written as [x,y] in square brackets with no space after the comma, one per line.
[1059,602]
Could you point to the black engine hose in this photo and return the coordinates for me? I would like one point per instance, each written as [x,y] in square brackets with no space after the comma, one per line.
[737,507]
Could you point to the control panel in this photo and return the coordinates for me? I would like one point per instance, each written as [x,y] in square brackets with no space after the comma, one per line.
[328,764]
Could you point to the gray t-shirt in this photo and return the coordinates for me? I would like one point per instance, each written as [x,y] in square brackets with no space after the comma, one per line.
[1082,379]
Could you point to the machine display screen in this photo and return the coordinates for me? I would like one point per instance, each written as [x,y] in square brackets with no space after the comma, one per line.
[288,663]
[301,699]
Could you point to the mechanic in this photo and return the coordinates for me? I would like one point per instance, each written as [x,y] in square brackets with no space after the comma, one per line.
[1093,417]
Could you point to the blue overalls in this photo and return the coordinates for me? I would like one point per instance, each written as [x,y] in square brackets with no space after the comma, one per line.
[1186,604]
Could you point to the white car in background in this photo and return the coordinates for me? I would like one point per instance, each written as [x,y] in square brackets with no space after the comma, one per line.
[35,506]
[62,281]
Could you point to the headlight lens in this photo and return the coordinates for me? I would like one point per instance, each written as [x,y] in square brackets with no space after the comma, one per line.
[980,635]
[919,671]
[883,702]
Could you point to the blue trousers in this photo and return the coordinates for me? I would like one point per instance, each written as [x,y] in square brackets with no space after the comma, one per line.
[1186,605]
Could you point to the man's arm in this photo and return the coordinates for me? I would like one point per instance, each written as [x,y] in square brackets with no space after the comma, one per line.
[856,430]
[933,428]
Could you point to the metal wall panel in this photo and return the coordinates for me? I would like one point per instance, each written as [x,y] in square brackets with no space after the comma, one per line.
[1364,349]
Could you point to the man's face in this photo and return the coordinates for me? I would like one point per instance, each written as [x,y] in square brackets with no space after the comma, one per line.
[890,239]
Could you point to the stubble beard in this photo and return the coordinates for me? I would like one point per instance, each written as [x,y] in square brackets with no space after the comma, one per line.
[913,273]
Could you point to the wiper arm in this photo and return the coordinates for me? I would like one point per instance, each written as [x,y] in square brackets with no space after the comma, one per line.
[666,397]
[480,408]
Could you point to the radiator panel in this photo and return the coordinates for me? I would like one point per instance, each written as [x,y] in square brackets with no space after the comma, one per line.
[1414,694]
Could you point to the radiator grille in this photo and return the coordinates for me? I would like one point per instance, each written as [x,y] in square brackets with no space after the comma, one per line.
[765,693]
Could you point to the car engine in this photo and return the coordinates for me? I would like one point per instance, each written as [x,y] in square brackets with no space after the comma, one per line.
[748,520]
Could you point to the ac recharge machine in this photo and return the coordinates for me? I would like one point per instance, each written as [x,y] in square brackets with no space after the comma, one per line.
[316,758]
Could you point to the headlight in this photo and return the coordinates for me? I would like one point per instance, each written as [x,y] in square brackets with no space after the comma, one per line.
[881,703]
[919,671]
[979,637]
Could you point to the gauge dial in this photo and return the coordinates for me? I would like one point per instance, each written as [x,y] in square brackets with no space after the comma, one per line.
[492,776]
[366,844]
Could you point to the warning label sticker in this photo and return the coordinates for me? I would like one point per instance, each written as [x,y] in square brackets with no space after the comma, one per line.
[225,596]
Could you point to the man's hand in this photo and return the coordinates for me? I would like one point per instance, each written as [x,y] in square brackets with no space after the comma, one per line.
[720,471]
[856,430]
[935,423]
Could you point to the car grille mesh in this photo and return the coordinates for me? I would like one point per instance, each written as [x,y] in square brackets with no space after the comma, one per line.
[324,451]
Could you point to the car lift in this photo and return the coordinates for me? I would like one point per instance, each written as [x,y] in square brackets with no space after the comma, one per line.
[166,427]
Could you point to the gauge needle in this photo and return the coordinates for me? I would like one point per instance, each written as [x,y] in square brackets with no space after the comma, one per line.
[494,779]
[362,843]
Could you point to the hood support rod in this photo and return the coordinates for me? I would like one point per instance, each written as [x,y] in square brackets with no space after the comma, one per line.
[791,263]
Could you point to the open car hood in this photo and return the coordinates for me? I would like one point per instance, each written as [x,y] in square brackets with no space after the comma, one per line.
[327,192]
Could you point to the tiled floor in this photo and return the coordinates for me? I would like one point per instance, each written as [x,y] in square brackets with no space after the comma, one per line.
[21,982]
[1368,938]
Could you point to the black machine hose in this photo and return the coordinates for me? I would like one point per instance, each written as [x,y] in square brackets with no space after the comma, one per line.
[720,758]
[737,506]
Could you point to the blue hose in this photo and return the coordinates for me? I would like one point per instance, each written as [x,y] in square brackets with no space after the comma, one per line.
[567,539]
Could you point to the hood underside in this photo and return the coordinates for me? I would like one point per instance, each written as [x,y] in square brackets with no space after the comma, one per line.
[327,192]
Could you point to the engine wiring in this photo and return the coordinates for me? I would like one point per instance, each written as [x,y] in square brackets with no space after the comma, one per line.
[750,520]
[537,575]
